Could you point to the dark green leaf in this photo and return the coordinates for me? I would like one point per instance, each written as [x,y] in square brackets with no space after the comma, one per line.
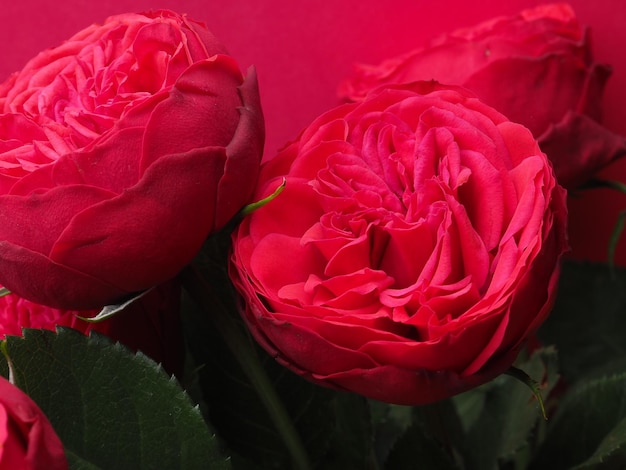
[586,417]
[416,448]
[76,463]
[4,366]
[110,407]
[389,423]
[588,323]
[611,453]
[501,418]
[351,444]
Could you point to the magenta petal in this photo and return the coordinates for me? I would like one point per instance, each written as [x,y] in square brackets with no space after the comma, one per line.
[52,284]
[163,222]
[579,147]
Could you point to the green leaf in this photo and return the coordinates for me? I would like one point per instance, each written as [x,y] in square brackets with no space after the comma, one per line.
[416,448]
[110,407]
[77,463]
[501,418]
[611,453]
[588,325]
[586,417]
[389,423]
[351,443]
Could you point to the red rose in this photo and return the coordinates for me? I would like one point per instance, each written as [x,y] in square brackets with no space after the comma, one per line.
[17,313]
[535,68]
[120,151]
[27,439]
[415,246]
[151,324]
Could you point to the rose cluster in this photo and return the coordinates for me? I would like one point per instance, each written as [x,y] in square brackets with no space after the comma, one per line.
[416,245]
[121,151]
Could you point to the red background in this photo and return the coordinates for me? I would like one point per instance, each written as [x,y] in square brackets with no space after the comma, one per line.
[303,48]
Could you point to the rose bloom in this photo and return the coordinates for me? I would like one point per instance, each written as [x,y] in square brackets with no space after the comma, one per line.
[120,151]
[414,248]
[535,67]
[151,324]
[17,313]
[27,439]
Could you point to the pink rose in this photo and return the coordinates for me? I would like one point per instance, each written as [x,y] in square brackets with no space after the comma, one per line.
[415,246]
[120,151]
[535,67]
[151,324]
[17,313]
[27,439]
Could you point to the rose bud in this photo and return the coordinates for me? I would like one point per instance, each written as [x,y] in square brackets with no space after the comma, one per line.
[120,152]
[415,246]
[150,324]
[535,67]
[27,439]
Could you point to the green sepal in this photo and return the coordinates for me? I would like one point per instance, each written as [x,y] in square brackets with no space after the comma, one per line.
[109,311]
[256,205]
[532,384]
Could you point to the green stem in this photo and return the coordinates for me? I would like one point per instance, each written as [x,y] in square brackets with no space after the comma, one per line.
[241,347]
